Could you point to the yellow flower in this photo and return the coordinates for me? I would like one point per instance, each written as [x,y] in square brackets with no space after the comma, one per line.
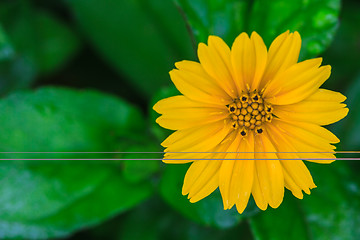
[243,105]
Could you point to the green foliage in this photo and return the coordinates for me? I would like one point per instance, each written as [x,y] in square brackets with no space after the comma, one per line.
[155,39]
[61,42]
[138,170]
[39,36]
[287,220]
[157,221]
[343,52]
[349,127]
[208,211]
[68,120]
[53,199]
[316,21]
[6,49]
[330,212]
[42,43]
[156,130]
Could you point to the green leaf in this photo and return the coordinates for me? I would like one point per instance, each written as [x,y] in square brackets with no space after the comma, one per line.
[156,221]
[348,127]
[316,21]
[141,39]
[60,43]
[137,170]
[59,119]
[16,73]
[55,198]
[226,19]
[330,212]
[287,220]
[42,44]
[333,210]
[343,53]
[139,167]
[6,48]
[38,36]
[209,211]
[159,132]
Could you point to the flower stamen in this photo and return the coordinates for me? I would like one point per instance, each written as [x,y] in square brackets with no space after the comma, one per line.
[249,112]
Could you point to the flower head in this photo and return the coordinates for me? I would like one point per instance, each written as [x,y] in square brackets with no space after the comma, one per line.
[244,113]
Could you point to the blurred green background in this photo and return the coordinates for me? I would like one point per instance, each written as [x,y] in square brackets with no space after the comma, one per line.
[83,75]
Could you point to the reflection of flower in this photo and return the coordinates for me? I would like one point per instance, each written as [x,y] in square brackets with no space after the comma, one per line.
[250,103]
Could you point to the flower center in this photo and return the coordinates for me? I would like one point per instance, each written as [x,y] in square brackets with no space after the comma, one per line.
[249,111]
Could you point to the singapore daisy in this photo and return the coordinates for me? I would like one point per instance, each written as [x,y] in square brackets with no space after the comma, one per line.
[243,113]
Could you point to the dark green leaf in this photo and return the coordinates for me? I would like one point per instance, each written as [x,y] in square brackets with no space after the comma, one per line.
[315,20]
[158,222]
[6,48]
[343,54]
[208,211]
[141,39]
[53,119]
[16,73]
[159,132]
[59,43]
[330,212]
[348,128]
[51,199]
[275,224]
[136,170]
[38,35]
[226,19]
[42,43]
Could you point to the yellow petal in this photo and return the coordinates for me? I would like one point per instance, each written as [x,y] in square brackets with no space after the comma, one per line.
[181,161]
[226,174]
[193,173]
[305,148]
[187,113]
[295,171]
[227,171]
[201,80]
[269,171]
[185,83]
[323,107]
[276,84]
[243,182]
[182,108]
[299,173]
[200,139]
[317,130]
[236,175]
[202,171]
[199,181]
[215,59]
[292,186]
[181,102]
[210,185]
[283,53]
[259,197]
[297,83]
[248,58]
[302,132]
